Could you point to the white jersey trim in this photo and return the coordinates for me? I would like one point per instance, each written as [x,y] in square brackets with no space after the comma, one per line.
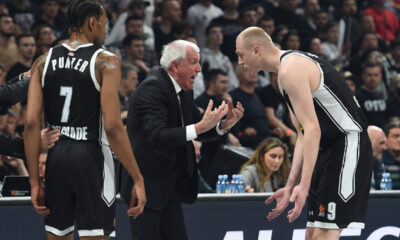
[93,70]
[318,224]
[352,225]
[74,49]
[90,233]
[322,80]
[347,177]
[46,65]
[108,192]
[58,232]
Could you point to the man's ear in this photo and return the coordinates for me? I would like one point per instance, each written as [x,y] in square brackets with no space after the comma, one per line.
[91,23]
[257,50]
[174,66]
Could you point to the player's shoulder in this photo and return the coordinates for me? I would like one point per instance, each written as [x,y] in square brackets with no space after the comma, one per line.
[107,54]
[296,63]
[107,59]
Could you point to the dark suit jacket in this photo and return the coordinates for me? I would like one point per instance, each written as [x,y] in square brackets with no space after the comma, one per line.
[13,92]
[158,137]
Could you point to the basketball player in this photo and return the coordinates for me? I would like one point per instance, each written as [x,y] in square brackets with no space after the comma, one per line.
[332,157]
[77,85]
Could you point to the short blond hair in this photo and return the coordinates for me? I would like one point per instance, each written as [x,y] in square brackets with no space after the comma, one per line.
[255,36]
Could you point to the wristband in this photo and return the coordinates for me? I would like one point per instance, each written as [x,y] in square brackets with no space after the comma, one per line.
[288,132]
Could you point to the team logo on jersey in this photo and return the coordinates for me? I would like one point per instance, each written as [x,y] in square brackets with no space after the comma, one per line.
[322,210]
[71,53]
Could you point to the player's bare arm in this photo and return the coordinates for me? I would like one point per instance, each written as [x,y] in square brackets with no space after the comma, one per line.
[282,196]
[108,73]
[32,133]
[299,88]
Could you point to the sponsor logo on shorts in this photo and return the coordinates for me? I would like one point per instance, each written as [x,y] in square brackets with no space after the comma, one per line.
[322,210]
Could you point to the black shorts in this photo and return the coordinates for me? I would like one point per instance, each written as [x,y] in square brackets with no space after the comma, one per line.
[340,184]
[80,186]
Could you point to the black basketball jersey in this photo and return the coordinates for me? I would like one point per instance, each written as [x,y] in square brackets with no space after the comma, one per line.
[336,107]
[71,92]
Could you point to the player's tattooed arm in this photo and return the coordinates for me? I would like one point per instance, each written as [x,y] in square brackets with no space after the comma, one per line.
[105,60]
[39,63]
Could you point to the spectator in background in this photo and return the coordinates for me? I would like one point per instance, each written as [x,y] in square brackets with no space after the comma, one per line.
[374,55]
[321,18]
[170,14]
[2,74]
[212,57]
[248,16]
[395,52]
[385,20]
[200,15]
[310,8]
[118,32]
[277,112]
[217,86]
[128,83]
[267,23]
[314,46]
[50,16]
[23,12]
[367,42]
[285,14]
[330,48]
[291,41]
[371,101]
[391,157]
[45,38]
[134,50]
[393,109]
[367,26]
[181,30]
[11,123]
[349,29]
[26,51]
[378,141]
[8,47]
[253,127]
[3,8]
[279,33]
[135,25]
[268,169]
[12,166]
[350,80]
[229,23]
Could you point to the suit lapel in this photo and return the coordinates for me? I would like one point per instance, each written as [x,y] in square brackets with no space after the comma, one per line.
[174,99]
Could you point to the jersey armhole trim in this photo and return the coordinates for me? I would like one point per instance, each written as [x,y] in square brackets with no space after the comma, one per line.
[322,80]
[93,70]
[80,46]
[46,65]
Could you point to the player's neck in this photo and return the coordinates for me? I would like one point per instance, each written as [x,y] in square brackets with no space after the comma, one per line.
[78,39]
[272,62]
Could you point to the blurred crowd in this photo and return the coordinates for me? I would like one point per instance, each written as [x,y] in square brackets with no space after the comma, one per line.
[360,38]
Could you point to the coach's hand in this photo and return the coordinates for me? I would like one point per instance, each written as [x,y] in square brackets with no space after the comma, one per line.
[233,115]
[299,196]
[138,199]
[37,198]
[211,117]
[48,139]
[282,197]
